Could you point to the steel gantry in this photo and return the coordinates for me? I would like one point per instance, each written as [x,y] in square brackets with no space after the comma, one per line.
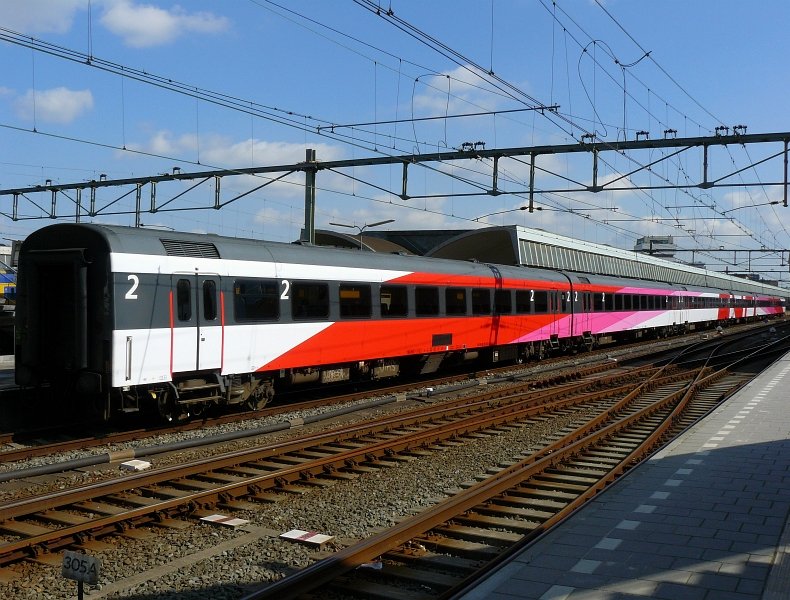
[77,207]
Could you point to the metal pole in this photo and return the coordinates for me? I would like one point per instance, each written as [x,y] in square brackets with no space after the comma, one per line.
[532,183]
[153,197]
[595,170]
[705,185]
[785,186]
[309,198]
[138,199]
[404,182]
[495,181]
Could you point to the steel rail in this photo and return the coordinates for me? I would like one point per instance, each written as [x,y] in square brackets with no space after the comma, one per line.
[156,509]
[669,412]
[120,437]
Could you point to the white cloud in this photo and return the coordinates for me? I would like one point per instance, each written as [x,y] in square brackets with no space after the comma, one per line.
[465,95]
[256,152]
[57,105]
[145,25]
[220,151]
[40,16]
[165,143]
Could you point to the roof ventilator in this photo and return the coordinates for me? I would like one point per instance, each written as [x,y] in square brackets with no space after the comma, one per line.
[191,249]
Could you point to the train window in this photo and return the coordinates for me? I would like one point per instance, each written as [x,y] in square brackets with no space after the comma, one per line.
[426,301]
[503,302]
[522,301]
[481,301]
[354,300]
[456,301]
[256,300]
[598,301]
[310,301]
[209,300]
[610,302]
[618,301]
[394,301]
[184,299]
[541,302]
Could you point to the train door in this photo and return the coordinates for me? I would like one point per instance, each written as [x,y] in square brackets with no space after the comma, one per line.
[196,322]
[684,305]
[54,315]
[585,317]
[555,305]
[575,309]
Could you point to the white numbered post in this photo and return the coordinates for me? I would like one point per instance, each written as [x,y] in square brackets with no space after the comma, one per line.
[81,568]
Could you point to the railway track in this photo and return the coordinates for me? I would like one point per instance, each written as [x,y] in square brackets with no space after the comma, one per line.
[39,528]
[49,442]
[551,376]
[42,525]
[443,550]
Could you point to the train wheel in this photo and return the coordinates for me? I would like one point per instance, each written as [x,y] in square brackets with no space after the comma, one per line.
[168,410]
[101,407]
[260,396]
[255,403]
[198,410]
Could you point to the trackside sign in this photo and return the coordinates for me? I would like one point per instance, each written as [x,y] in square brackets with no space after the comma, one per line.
[80,567]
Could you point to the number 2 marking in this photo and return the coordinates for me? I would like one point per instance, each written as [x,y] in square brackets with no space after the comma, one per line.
[131,295]
[286,289]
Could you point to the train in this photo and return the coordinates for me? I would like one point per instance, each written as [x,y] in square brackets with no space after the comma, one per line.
[136,319]
[7,307]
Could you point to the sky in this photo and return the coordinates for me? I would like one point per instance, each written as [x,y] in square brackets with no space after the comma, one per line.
[125,88]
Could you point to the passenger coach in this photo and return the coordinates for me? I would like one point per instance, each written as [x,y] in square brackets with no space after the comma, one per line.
[132,317]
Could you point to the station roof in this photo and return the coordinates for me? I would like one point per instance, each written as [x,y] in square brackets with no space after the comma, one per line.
[522,246]
[365,242]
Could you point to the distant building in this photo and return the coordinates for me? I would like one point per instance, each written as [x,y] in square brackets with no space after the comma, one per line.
[656,245]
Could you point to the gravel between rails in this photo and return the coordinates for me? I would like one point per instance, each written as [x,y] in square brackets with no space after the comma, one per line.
[32,486]
[210,562]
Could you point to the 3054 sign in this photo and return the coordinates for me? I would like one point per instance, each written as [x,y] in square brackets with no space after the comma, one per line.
[80,567]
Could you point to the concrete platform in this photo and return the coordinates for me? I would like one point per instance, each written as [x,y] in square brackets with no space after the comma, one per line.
[704,519]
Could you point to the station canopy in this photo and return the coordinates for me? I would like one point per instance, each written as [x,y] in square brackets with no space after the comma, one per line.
[523,246]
